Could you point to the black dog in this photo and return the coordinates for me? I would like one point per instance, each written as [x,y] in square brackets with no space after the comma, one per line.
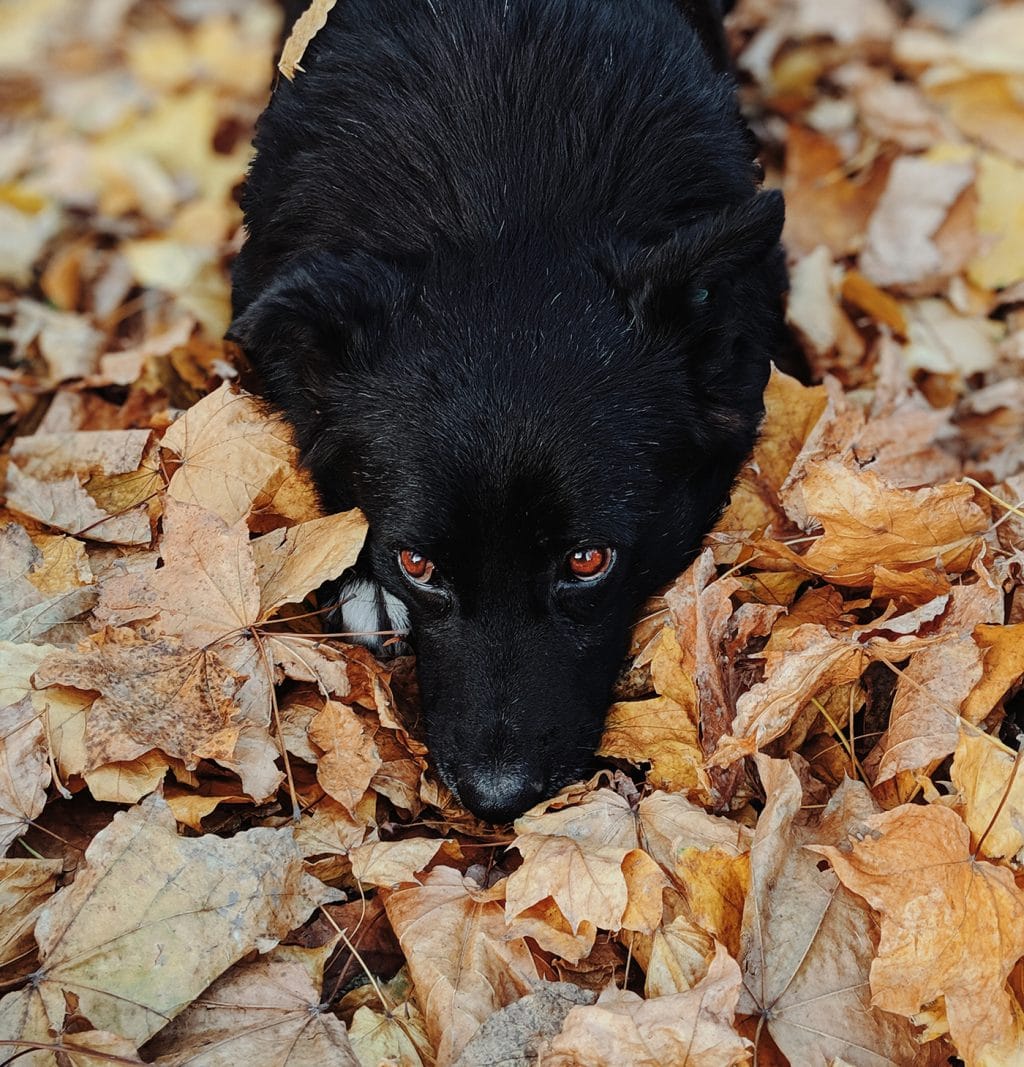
[509,275]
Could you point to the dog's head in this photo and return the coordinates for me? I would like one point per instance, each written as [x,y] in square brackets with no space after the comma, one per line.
[539,436]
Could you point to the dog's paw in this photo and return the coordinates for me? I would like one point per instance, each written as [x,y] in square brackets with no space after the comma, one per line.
[365,613]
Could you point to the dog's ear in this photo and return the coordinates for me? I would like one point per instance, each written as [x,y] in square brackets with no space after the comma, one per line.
[672,283]
[305,327]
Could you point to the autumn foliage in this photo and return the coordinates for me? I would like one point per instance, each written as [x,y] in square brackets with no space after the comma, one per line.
[224,841]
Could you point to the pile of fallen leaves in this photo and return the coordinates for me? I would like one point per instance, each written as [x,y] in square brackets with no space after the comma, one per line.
[224,841]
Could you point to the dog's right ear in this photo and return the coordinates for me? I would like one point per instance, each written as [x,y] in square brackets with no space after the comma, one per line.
[304,328]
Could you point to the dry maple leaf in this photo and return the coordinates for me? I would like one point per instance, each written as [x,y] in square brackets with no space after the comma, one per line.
[292,563]
[152,694]
[267,1010]
[807,943]
[152,918]
[463,963]
[238,461]
[691,1029]
[952,926]
[206,590]
[867,522]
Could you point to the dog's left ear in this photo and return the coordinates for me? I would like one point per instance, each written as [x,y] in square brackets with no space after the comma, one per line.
[665,285]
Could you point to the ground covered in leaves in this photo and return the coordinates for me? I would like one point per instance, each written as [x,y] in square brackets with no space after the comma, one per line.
[224,843]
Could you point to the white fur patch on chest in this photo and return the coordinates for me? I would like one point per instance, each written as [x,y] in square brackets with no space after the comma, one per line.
[369,615]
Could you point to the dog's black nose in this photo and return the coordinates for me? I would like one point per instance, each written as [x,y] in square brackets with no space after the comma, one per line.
[500,794]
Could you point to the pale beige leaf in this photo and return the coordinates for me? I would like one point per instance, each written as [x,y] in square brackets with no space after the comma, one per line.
[37,593]
[25,885]
[807,943]
[153,918]
[238,461]
[463,964]
[266,1010]
[691,1029]
[900,249]
[152,694]
[389,863]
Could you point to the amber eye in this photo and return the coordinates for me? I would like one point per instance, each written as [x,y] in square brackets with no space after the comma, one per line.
[589,564]
[416,566]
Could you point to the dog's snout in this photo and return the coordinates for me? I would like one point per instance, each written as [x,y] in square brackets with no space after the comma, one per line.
[500,794]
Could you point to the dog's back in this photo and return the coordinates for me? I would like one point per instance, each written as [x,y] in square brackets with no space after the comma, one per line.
[420,123]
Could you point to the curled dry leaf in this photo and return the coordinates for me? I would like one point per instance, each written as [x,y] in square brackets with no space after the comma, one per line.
[152,918]
[952,926]
[238,461]
[990,788]
[49,475]
[292,563]
[808,943]
[389,863]
[463,963]
[925,718]
[36,592]
[255,1012]
[691,1029]
[25,885]
[306,27]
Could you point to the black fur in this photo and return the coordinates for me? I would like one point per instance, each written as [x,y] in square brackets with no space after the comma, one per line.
[509,275]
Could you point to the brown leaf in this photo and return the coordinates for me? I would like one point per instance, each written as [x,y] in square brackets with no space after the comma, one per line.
[152,694]
[238,462]
[701,608]
[266,1010]
[691,1029]
[825,206]
[807,943]
[350,757]
[463,964]
[1003,648]
[152,918]
[952,926]
[868,523]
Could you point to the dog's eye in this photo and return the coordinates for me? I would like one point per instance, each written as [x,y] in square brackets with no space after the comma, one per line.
[416,566]
[589,564]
